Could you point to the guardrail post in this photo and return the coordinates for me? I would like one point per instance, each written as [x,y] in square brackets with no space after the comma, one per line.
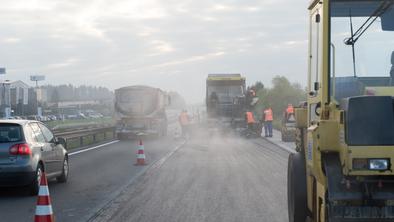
[81,141]
[94,138]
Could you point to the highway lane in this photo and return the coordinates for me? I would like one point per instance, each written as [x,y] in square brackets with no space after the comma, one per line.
[96,177]
[212,178]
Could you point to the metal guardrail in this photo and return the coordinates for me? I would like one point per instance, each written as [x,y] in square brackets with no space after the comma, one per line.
[80,137]
[83,137]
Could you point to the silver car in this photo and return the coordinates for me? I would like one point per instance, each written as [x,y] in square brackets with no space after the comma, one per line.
[27,149]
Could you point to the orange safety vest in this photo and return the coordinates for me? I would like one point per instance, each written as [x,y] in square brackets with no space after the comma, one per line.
[290,110]
[268,115]
[249,117]
[184,118]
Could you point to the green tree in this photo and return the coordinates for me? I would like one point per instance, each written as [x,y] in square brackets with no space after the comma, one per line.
[257,86]
[282,93]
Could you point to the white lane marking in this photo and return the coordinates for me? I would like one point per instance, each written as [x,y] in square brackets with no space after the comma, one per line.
[93,148]
[108,208]
[44,210]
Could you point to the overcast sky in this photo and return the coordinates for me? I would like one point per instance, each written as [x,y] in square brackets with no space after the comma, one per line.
[170,44]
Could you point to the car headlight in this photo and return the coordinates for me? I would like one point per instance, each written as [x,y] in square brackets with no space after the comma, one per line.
[378,164]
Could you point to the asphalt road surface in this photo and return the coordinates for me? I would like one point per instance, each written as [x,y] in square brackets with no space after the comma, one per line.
[96,177]
[211,178]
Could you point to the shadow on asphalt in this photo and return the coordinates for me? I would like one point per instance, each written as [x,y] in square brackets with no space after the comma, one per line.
[20,192]
[17,192]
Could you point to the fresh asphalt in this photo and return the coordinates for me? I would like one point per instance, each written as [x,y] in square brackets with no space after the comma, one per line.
[213,177]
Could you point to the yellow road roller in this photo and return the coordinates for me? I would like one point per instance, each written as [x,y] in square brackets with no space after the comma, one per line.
[343,169]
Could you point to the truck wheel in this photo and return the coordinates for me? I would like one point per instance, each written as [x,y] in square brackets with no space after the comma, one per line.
[296,188]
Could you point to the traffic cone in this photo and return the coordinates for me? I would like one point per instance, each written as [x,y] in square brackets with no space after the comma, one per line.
[141,154]
[44,211]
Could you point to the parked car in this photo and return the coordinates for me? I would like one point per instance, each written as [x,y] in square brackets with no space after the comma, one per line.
[95,115]
[27,150]
[32,117]
[52,117]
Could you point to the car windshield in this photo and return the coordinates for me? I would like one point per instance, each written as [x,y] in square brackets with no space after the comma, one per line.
[10,133]
[362,48]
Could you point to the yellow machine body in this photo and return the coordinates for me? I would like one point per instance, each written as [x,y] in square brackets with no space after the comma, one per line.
[342,183]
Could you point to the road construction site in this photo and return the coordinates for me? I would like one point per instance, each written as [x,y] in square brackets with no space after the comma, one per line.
[207,177]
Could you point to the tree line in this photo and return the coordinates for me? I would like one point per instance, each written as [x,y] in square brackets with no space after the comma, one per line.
[65,93]
[282,93]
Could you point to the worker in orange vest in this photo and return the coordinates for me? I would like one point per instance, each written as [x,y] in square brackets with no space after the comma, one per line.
[184,121]
[289,111]
[250,120]
[268,118]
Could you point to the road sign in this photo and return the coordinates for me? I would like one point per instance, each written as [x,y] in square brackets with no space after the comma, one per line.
[37,78]
[2,71]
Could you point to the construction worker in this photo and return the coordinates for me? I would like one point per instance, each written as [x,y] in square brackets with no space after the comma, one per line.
[268,118]
[184,121]
[289,111]
[250,120]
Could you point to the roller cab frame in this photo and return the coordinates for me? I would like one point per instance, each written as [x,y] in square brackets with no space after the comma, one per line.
[343,169]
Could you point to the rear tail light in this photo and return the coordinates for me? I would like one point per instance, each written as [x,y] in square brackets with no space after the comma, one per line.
[20,149]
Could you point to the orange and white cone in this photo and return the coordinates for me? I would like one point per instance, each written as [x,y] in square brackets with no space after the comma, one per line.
[141,154]
[44,211]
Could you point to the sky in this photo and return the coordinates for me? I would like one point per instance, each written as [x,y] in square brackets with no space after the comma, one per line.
[169,44]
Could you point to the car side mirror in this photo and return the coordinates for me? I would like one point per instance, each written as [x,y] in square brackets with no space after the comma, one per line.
[61,140]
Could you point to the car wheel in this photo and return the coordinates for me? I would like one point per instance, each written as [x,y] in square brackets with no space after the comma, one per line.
[64,176]
[35,185]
